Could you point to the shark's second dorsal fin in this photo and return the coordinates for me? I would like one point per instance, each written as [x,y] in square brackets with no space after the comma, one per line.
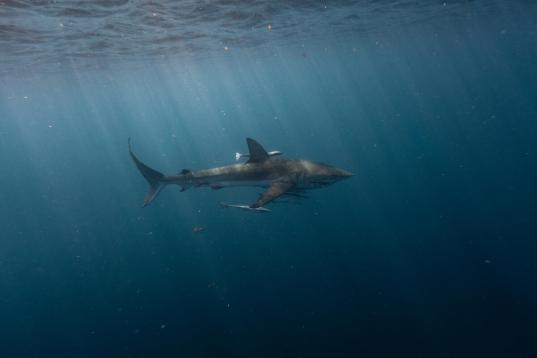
[257,152]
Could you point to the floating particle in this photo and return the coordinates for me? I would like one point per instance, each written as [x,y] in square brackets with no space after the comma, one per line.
[269,27]
[226,48]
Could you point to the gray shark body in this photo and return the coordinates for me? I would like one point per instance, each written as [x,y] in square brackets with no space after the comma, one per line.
[278,176]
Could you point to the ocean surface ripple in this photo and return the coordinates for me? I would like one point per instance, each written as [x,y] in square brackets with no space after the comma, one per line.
[49,32]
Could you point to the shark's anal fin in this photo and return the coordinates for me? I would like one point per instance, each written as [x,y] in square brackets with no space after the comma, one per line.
[258,154]
[275,190]
[185,172]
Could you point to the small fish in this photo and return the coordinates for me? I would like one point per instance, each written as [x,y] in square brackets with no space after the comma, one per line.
[259,209]
[197,229]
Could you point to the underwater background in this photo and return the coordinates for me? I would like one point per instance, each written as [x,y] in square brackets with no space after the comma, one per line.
[428,251]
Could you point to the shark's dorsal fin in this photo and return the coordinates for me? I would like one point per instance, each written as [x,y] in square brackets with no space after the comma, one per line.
[257,152]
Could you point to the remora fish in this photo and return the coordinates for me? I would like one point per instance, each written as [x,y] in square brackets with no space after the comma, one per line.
[279,176]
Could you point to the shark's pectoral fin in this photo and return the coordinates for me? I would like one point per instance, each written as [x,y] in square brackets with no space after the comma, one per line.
[276,189]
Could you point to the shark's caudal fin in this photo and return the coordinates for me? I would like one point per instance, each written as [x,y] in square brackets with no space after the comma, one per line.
[153,177]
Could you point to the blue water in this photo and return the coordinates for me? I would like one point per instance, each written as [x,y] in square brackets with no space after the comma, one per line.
[428,251]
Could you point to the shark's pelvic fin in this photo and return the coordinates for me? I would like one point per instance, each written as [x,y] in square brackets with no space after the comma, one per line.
[258,154]
[276,189]
[153,177]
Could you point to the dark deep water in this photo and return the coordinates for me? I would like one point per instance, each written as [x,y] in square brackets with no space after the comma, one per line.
[428,251]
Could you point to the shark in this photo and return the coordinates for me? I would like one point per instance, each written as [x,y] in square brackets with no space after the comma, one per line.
[263,169]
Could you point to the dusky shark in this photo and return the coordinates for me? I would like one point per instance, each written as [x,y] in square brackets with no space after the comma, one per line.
[263,169]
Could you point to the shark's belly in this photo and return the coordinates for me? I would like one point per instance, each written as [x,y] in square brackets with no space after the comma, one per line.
[309,185]
[256,183]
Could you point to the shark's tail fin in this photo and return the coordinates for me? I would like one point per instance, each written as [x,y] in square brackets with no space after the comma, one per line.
[153,177]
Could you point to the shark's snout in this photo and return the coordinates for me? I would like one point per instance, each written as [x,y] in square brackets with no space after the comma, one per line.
[343,174]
